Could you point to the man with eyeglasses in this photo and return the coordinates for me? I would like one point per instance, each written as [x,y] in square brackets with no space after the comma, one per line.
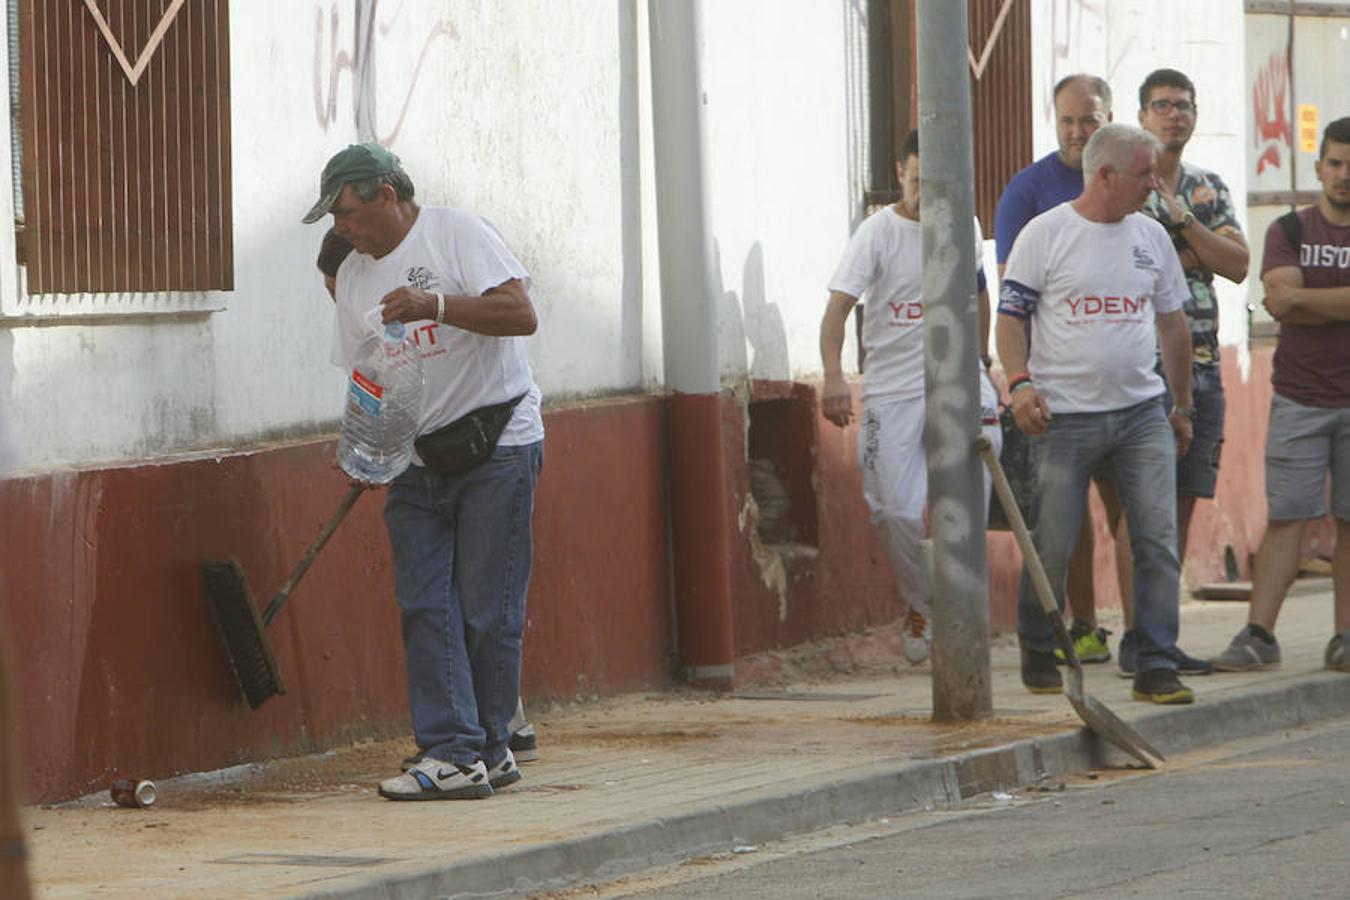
[1196,208]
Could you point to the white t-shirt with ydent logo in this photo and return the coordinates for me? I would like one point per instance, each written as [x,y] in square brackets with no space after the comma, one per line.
[883,266]
[452,252]
[1094,328]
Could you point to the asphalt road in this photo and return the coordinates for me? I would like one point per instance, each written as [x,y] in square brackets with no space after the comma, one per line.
[1267,817]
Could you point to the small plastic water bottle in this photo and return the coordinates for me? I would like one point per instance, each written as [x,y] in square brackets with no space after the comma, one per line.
[384,401]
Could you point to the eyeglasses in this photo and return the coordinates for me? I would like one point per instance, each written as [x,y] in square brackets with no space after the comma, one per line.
[1163,106]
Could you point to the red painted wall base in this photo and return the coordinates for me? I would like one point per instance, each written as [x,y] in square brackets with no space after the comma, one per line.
[119,670]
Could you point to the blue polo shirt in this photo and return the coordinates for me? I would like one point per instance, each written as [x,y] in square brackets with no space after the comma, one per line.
[1041,186]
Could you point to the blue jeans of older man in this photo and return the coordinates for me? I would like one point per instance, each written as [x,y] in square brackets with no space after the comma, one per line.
[1138,447]
[462,553]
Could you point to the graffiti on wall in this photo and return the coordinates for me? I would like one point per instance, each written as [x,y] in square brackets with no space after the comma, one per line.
[1073,26]
[1270,111]
[356,63]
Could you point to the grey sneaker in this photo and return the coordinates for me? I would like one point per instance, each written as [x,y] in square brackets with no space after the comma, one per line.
[1338,652]
[1127,654]
[525,744]
[1248,653]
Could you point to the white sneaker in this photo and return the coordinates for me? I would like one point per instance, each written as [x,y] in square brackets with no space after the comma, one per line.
[504,773]
[916,637]
[432,779]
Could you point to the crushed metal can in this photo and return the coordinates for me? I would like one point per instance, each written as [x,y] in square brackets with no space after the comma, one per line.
[133,793]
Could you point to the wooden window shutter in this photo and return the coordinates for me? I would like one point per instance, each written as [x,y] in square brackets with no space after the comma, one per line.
[1000,98]
[1000,95]
[125,118]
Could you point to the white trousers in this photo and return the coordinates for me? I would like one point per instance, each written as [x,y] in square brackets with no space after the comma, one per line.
[895,481]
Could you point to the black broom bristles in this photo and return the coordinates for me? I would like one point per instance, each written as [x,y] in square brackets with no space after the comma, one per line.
[246,644]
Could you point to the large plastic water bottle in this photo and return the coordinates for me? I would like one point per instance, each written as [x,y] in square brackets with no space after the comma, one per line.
[384,400]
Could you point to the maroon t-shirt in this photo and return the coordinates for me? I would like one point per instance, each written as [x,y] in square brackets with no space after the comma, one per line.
[1312,362]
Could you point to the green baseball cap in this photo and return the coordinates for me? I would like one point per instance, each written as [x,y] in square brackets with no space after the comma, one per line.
[357,163]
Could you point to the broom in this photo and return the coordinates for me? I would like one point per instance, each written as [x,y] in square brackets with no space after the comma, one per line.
[242,629]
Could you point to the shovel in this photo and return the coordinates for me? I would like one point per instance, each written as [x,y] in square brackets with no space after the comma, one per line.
[1092,711]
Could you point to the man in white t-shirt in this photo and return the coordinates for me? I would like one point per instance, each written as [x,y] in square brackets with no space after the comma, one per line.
[883,263]
[333,251]
[1100,288]
[460,535]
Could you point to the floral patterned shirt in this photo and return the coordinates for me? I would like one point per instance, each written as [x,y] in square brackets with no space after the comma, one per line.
[1206,196]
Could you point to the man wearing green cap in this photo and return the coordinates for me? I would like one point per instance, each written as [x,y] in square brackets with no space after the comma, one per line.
[458,520]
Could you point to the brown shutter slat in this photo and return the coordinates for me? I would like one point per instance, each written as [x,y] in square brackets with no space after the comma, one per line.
[194,47]
[126,187]
[137,98]
[224,258]
[1000,102]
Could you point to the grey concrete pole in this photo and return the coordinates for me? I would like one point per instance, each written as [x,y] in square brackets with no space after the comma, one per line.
[959,585]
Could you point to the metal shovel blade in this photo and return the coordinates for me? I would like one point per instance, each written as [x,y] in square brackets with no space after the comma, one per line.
[1095,714]
[1098,717]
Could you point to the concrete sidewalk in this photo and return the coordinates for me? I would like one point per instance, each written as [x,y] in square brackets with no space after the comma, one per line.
[638,781]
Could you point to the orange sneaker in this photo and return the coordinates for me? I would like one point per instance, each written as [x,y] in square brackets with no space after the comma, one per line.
[916,637]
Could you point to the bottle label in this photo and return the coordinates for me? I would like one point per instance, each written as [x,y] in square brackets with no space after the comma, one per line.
[366,393]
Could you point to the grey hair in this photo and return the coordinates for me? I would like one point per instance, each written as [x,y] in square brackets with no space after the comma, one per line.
[367,188]
[1113,145]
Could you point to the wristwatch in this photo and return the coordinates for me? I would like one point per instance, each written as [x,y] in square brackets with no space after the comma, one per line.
[1187,411]
[1187,218]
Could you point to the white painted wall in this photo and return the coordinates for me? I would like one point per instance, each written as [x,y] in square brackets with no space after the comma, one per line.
[535,113]
[1123,42]
[523,111]
[787,139]
[787,151]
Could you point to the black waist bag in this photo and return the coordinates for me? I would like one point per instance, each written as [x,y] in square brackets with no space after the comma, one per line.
[467,442]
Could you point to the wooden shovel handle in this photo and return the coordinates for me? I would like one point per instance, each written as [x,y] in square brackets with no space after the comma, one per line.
[1039,581]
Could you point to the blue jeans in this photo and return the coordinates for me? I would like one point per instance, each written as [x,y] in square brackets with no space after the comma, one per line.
[1138,447]
[1198,470]
[462,553]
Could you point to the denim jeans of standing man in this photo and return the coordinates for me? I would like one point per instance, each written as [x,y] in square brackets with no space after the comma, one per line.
[462,553]
[1139,446]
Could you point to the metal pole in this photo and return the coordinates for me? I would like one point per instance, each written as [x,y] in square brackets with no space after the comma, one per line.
[959,587]
[700,526]
[688,295]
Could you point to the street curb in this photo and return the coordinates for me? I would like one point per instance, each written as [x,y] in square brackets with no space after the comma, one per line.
[754,817]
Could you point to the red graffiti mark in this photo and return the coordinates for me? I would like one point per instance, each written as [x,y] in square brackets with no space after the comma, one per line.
[1270,110]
